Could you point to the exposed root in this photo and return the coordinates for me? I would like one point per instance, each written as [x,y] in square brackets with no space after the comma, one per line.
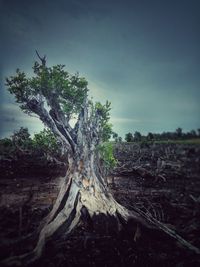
[64,187]
[111,207]
[69,216]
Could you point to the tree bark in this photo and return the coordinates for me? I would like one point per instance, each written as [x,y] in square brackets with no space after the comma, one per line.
[81,191]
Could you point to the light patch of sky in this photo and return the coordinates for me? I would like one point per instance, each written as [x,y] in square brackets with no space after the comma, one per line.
[14,118]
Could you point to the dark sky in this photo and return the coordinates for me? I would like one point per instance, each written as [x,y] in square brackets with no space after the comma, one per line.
[143,56]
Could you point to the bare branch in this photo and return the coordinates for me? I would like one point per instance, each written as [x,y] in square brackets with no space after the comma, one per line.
[43,59]
[61,127]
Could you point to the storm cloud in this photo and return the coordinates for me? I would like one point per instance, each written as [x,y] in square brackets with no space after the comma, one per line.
[143,56]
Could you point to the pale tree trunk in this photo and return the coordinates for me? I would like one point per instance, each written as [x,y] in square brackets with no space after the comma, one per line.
[82,191]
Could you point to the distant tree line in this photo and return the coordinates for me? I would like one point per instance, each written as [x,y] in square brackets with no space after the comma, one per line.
[178,134]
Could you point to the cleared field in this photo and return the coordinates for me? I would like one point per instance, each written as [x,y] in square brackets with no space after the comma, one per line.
[161,179]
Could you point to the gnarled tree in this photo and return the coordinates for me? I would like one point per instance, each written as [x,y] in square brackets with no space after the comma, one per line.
[55,96]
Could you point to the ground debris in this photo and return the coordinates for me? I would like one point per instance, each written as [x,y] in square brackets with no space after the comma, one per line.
[137,180]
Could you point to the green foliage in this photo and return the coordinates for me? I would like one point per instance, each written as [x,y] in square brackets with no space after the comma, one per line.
[45,142]
[6,146]
[137,136]
[179,132]
[114,135]
[117,138]
[18,85]
[106,154]
[194,141]
[19,141]
[103,111]
[106,132]
[52,83]
[150,136]
[21,138]
[129,137]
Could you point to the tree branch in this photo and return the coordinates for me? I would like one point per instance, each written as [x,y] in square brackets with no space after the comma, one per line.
[38,108]
[58,117]
[43,59]
[63,130]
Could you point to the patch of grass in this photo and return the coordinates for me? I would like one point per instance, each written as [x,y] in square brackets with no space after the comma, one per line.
[195,141]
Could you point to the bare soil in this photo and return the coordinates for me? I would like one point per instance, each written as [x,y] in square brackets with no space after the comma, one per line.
[162,180]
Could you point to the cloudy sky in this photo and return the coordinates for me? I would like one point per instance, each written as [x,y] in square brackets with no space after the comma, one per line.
[142,55]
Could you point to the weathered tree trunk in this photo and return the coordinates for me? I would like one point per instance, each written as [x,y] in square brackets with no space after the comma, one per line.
[82,191]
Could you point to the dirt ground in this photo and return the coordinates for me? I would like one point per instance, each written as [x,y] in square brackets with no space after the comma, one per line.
[162,180]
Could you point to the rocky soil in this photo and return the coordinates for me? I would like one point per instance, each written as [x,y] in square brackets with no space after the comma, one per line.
[162,180]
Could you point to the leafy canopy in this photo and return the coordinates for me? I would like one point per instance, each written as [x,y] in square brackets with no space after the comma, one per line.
[129,137]
[46,142]
[21,137]
[53,84]
[106,127]
[107,155]
[63,93]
